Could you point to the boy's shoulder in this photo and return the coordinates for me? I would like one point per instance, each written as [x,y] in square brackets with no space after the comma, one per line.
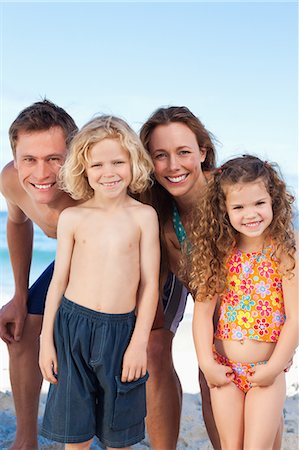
[143,209]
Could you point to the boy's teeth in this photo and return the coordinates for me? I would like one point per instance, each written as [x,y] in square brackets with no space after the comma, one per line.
[43,186]
[177,179]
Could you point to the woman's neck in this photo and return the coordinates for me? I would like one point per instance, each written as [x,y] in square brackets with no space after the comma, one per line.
[188,201]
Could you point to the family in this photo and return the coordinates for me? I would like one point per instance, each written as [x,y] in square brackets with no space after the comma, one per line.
[140,222]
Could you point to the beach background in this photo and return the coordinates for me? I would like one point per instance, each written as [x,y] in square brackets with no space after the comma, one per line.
[193,435]
[233,63]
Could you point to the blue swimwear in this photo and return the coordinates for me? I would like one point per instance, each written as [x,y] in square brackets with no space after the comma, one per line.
[174,292]
[38,291]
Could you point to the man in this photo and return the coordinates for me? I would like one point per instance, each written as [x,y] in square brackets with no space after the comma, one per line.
[39,138]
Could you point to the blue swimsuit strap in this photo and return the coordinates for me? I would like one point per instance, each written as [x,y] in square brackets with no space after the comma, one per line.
[178,226]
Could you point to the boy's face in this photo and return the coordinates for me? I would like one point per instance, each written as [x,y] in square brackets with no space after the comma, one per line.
[109,170]
[39,156]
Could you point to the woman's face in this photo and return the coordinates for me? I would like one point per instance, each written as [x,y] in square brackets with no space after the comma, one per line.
[177,158]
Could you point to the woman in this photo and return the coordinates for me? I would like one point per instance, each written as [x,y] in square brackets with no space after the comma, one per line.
[183,153]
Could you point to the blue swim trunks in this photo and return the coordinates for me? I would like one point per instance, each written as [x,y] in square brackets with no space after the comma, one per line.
[89,398]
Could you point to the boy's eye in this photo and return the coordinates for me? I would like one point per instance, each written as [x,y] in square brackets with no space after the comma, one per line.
[118,162]
[261,203]
[237,207]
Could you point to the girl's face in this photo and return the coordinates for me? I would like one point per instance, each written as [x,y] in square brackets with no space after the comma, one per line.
[177,158]
[109,170]
[249,208]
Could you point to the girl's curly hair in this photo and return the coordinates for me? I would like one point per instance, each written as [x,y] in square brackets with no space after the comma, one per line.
[212,237]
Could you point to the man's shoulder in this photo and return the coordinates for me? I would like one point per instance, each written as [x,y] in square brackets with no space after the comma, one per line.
[9,182]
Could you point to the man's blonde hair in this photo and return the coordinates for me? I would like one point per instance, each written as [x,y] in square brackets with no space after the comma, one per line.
[73,176]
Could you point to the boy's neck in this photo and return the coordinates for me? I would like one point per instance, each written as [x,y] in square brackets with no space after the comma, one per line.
[107,203]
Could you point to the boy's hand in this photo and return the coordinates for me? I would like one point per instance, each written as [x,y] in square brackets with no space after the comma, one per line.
[218,375]
[134,363]
[48,362]
[261,376]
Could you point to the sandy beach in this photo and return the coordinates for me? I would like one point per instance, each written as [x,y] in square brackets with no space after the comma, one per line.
[193,435]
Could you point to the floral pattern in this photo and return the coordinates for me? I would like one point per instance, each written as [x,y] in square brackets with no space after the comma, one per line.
[252,306]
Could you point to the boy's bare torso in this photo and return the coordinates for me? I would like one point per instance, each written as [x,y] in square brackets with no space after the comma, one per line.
[105,266]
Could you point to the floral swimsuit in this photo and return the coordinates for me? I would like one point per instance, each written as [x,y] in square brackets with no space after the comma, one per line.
[251,306]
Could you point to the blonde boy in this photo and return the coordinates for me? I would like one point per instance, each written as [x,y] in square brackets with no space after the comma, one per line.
[105,279]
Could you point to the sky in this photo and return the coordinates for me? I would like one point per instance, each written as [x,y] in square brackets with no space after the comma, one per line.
[234,64]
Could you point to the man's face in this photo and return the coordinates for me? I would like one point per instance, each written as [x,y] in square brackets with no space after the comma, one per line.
[39,156]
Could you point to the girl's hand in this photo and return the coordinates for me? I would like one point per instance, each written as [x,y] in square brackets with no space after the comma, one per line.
[261,376]
[218,375]
[134,363]
[48,362]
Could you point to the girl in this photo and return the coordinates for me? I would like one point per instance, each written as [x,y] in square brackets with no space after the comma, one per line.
[242,262]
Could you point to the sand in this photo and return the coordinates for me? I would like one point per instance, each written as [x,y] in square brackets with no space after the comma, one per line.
[193,435]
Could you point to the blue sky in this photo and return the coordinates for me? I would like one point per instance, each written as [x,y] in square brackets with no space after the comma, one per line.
[234,64]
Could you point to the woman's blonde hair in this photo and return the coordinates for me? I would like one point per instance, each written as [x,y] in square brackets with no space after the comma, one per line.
[212,236]
[73,173]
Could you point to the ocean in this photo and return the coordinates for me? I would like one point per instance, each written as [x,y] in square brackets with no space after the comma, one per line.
[44,249]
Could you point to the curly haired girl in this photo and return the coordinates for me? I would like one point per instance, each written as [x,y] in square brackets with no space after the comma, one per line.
[242,265]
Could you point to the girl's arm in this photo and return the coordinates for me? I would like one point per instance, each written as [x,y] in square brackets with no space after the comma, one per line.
[47,359]
[203,335]
[135,358]
[288,339]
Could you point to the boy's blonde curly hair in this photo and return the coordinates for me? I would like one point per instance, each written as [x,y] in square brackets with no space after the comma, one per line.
[72,174]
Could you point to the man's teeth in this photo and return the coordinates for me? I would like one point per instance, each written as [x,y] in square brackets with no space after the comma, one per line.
[43,186]
[177,179]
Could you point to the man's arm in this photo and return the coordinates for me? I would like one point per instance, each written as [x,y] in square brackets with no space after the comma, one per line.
[19,239]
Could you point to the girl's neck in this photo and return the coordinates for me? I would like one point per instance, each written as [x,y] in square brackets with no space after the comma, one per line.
[250,245]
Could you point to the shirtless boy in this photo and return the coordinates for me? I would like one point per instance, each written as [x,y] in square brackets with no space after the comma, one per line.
[106,273]
[38,137]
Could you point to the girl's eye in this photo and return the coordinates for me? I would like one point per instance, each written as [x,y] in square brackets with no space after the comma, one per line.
[118,162]
[96,165]
[260,203]
[237,207]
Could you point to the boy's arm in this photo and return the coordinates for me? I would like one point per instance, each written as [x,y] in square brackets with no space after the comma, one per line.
[65,243]
[135,360]
[19,240]
[288,338]
[203,336]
